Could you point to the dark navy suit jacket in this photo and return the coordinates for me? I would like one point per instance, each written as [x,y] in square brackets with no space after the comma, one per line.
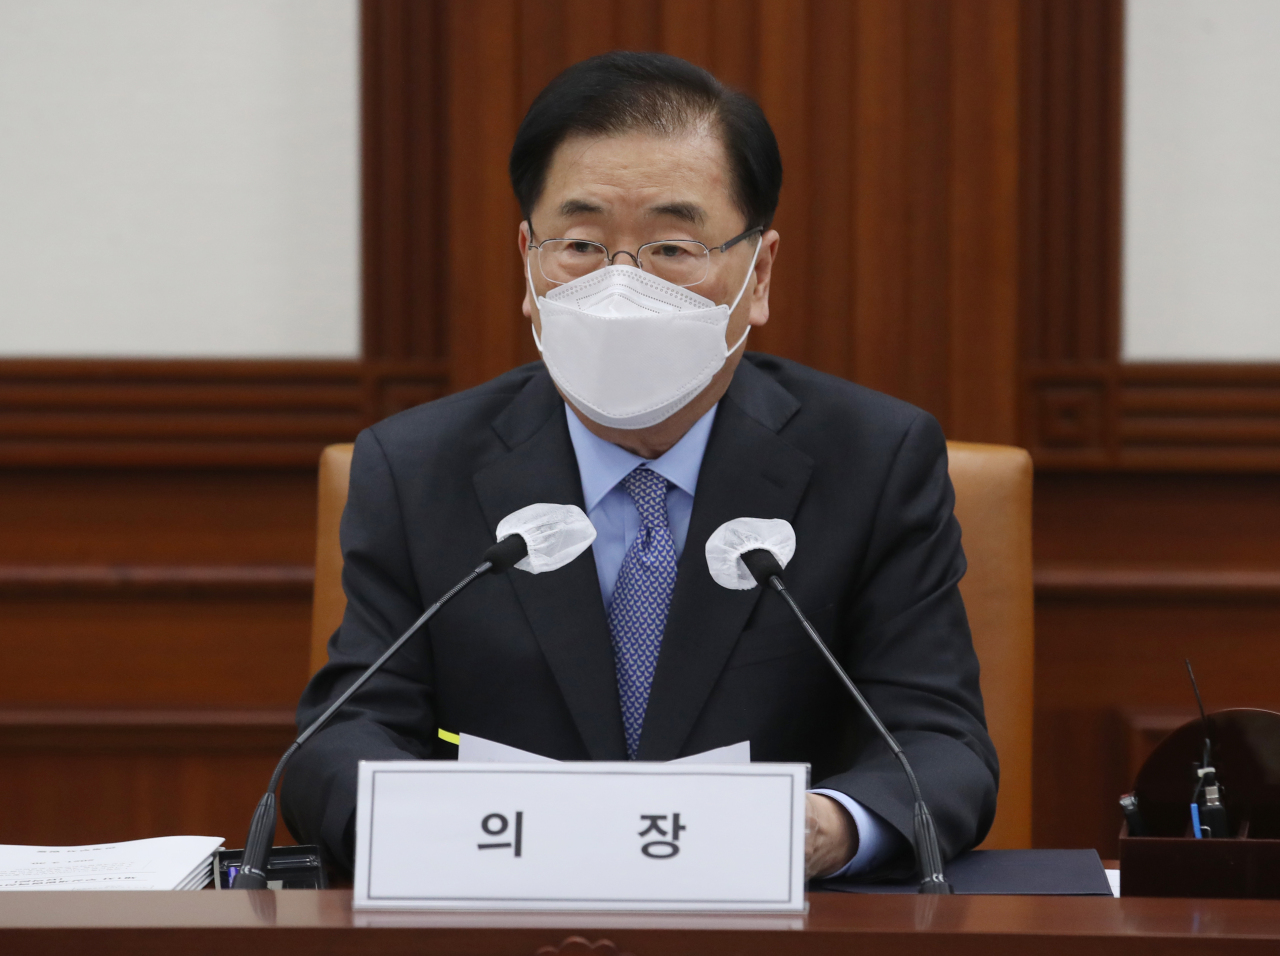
[527,660]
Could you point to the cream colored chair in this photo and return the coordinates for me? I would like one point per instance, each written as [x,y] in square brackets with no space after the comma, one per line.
[993,505]
[327,600]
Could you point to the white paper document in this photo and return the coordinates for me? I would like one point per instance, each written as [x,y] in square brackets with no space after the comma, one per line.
[162,863]
[734,753]
[473,749]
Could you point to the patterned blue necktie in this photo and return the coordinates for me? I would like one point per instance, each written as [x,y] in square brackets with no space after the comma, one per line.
[638,614]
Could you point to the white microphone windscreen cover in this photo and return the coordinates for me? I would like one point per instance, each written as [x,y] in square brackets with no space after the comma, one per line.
[735,538]
[555,534]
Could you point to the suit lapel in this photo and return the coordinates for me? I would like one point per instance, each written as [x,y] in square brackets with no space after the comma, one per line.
[564,607]
[747,471]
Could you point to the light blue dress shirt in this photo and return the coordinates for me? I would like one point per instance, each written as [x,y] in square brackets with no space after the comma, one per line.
[601,465]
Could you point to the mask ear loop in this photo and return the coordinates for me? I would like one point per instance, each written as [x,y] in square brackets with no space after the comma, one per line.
[750,272]
[532,328]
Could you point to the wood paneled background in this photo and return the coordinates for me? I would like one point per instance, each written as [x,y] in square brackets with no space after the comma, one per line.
[950,224]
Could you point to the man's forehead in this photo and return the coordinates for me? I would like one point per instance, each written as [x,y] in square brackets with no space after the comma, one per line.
[685,210]
[678,175]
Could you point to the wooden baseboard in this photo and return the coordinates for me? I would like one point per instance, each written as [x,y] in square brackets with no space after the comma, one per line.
[198,413]
[283,580]
[146,731]
[1093,582]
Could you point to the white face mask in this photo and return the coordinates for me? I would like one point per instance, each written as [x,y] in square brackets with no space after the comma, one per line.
[630,349]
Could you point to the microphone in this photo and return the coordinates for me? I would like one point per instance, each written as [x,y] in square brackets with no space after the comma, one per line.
[745,552]
[537,538]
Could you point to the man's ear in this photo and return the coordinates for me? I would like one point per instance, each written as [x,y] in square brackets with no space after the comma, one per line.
[522,243]
[759,314]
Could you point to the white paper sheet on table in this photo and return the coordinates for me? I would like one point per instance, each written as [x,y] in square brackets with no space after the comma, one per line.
[161,863]
[473,749]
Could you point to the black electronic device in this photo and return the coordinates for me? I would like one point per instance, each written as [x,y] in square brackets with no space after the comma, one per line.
[1208,810]
[765,568]
[1133,815]
[287,868]
[1164,859]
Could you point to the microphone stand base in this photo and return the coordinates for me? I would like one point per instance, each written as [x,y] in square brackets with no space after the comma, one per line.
[934,888]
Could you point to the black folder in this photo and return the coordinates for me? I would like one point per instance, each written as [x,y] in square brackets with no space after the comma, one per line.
[1003,873]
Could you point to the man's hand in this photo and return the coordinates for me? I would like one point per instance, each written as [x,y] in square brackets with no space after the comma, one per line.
[831,838]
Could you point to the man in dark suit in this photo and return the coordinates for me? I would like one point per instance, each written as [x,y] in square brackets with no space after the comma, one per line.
[647,190]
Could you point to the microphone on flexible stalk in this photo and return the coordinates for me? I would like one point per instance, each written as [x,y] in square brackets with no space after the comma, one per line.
[745,552]
[537,538]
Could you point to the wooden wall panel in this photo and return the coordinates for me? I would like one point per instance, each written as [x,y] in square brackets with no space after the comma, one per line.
[893,229]
[125,586]
[161,517]
[127,593]
[1157,485]
[1134,572]
[1158,521]
[831,182]
[984,231]
[72,413]
[404,183]
[879,215]
[1082,407]
[783,76]
[1103,652]
[483,100]
[75,777]
[219,650]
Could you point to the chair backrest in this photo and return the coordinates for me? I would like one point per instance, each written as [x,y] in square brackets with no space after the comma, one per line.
[993,506]
[328,601]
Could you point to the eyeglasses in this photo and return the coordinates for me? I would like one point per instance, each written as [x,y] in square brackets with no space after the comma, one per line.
[683,262]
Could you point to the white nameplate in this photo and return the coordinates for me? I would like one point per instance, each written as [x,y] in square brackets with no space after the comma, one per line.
[436,834]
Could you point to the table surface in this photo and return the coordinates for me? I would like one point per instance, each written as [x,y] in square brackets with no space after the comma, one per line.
[288,921]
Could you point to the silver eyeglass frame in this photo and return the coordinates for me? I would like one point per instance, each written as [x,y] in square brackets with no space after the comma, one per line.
[635,256]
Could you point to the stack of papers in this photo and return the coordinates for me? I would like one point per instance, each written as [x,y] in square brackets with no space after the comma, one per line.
[163,863]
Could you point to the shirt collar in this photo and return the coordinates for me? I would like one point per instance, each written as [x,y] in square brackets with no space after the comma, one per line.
[602,464]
